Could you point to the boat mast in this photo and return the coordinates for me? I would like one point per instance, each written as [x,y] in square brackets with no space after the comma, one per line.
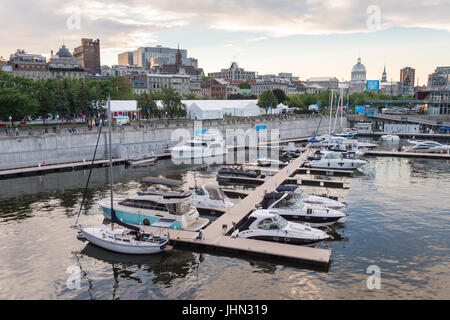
[331,112]
[110,161]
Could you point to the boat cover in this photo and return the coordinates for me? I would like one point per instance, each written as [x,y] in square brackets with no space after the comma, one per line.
[162,181]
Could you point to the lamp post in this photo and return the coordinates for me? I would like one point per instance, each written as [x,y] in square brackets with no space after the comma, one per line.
[57,121]
[10,124]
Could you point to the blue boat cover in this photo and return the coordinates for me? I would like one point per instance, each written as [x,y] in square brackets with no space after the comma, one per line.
[285,188]
[313,140]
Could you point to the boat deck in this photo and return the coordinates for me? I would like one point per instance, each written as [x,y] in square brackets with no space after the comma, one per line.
[380,153]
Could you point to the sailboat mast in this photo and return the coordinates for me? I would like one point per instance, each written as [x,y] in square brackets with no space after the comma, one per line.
[110,160]
[331,112]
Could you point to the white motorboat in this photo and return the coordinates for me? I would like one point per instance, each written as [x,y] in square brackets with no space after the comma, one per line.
[270,226]
[202,146]
[390,138]
[427,147]
[307,198]
[209,196]
[266,162]
[142,161]
[124,240]
[351,153]
[334,160]
[157,207]
[128,241]
[292,208]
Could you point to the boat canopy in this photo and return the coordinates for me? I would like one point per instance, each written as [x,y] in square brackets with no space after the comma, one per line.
[286,188]
[162,181]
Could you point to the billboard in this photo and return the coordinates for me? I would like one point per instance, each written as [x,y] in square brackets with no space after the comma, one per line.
[372,85]
[360,109]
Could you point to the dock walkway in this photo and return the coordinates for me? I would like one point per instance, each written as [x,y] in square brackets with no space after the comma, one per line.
[380,153]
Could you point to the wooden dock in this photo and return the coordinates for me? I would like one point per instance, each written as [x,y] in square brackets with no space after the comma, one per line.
[216,235]
[32,171]
[380,153]
[305,170]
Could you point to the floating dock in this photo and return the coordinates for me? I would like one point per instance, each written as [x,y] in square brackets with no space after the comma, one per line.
[216,235]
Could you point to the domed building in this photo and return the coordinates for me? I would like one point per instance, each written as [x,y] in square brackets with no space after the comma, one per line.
[359,72]
[64,65]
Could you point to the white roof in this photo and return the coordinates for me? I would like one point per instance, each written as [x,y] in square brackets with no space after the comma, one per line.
[215,104]
[123,105]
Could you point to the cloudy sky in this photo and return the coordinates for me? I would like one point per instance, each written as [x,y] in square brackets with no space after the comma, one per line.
[306,37]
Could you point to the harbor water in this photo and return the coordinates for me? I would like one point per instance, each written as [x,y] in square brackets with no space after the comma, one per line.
[399,217]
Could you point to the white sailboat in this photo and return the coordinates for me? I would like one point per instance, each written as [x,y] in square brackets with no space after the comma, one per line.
[128,240]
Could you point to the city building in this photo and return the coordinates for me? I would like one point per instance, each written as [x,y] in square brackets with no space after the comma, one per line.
[323,82]
[233,73]
[407,76]
[179,68]
[28,65]
[179,82]
[88,55]
[64,65]
[392,88]
[440,77]
[125,58]
[438,101]
[149,57]
[218,88]
[358,77]
[139,83]
[258,87]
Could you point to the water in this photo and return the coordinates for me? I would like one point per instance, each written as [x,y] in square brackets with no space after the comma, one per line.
[398,220]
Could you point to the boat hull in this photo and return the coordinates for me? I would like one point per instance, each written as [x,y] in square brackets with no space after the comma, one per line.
[98,238]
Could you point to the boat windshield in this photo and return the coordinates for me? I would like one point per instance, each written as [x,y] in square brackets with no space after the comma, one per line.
[280,221]
[332,156]
[215,193]
[182,207]
[290,202]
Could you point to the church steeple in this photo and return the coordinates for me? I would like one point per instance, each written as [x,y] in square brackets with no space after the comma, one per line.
[384,76]
[178,58]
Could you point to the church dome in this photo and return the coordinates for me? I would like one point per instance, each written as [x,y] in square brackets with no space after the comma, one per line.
[359,67]
[63,52]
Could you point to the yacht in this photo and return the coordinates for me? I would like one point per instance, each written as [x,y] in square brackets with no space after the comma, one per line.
[292,208]
[323,201]
[209,196]
[353,153]
[202,146]
[334,160]
[270,226]
[390,138]
[157,207]
[427,147]
[227,172]
[266,162]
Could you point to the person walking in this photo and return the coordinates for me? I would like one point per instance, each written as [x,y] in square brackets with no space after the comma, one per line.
[46,129]
[6,130]
[17,131]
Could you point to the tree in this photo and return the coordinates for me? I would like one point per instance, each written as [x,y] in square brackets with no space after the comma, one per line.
[266,99]
[244,85]
[16,104]
[146,105]
[171,101]
[280,95]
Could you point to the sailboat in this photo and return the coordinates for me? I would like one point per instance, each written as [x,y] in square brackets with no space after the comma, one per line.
[128,240]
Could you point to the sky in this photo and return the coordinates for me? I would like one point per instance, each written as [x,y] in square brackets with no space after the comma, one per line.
[309,38]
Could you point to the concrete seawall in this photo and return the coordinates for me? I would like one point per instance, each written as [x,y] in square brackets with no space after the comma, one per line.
[28,151]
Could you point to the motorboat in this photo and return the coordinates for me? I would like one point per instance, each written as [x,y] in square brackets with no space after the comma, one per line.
[209,196]
[427,147]
[266,162]
[292,208]
[334,160]
[347,134]
[352,153]
[390,138]
[270,226]
[201,146]
[238,172]
[124,240]
[157,207]
[323,201]
[128,240]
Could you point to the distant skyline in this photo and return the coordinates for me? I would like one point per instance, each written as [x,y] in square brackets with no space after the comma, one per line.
[308,38]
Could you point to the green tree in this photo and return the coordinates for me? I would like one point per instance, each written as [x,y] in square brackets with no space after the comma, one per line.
[171,101]
[266,99]
[146,105]
[244,85]
[16,104]
[280,95]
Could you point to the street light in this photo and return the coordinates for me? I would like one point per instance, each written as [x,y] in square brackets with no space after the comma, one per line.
[10,121]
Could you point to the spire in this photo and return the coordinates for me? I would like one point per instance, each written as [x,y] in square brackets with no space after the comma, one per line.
[178,58]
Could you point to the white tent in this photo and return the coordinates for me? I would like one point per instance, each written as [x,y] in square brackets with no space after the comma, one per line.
[217,109]
[123,106]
